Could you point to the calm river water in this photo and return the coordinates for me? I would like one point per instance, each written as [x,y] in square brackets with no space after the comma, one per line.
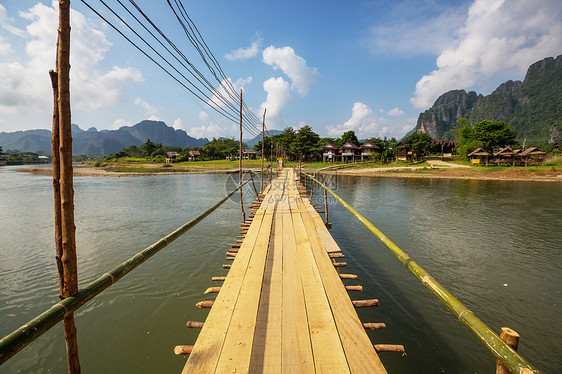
[496,246]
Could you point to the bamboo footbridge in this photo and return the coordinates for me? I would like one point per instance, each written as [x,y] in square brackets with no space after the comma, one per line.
[283,306]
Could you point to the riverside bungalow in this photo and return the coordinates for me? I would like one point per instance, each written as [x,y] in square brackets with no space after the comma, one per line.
[506,155]
[533,154]
[477,156]
[444,147]
[330,152]
[368,149]
[349,152]
[194,155]
[171,156]
[249,154]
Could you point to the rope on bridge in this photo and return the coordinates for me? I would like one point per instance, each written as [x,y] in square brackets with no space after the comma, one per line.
[503,352]
[23,336]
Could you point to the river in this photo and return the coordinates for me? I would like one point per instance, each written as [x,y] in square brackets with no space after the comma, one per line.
[497,246]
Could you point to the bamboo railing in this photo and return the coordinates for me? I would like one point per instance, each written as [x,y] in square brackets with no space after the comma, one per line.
[503,352]
[26,334]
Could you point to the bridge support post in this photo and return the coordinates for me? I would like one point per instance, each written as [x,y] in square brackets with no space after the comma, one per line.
[63,189]
[511,337]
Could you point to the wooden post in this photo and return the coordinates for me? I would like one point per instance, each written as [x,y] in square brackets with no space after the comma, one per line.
[68,278]
[240,162]
[253,185]
[326,205]
[262,147]
[511,337]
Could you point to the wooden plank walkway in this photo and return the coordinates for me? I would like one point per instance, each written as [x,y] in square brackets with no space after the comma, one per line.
[283,307]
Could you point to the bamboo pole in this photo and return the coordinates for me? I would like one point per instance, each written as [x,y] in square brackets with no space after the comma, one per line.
[69,280]
[262,148]
[23,336]
[253,184]
[240,163]
[509,357]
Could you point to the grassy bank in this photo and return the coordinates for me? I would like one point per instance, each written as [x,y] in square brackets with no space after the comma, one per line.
[140,166]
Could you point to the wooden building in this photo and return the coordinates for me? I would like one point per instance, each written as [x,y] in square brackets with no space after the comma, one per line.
[330,152]
[171,156]
[478,155]
[368,149]
[533,154]
[249,154]
[350,152]
[194,155]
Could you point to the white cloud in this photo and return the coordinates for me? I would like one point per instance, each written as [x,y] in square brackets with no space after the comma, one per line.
[394,112]
[203,115]
[221,95]
[278,97]
[245,53]
[366,124]
[178,124]
[5,23]
[25,82]
[149,110]
[212,130]
[302,77]
[120,123]
[498,38]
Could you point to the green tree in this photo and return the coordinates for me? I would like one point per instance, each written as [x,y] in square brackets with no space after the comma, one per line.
[486,134]
[493,134]
[419,142]
[304,142]
[348,137]
[149,148]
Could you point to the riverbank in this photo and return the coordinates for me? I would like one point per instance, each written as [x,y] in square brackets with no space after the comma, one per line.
[113,172]
[440,170]
[468,173]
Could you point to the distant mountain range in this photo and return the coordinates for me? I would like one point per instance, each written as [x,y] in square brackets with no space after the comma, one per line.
[252,142]
[99,143]
[533,107]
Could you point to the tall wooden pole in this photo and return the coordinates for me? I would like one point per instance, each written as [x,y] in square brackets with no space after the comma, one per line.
[262,147]
[69,279]
[240,162]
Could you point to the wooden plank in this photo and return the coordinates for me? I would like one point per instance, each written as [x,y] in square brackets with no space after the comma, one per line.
[236,352]
[360,353]
[208,347]
[266,350]
[326,345]
[296,346]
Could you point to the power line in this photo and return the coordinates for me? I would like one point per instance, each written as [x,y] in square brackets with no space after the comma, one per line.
[225,106]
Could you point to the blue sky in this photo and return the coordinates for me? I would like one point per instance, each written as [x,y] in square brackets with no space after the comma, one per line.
[368,66]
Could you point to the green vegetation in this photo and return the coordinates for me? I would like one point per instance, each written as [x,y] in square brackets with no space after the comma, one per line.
[20,158]
[419,142]
[488,135]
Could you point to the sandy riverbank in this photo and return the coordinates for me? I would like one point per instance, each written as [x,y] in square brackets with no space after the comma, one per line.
[110,172]
[468,173]
[448,171]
